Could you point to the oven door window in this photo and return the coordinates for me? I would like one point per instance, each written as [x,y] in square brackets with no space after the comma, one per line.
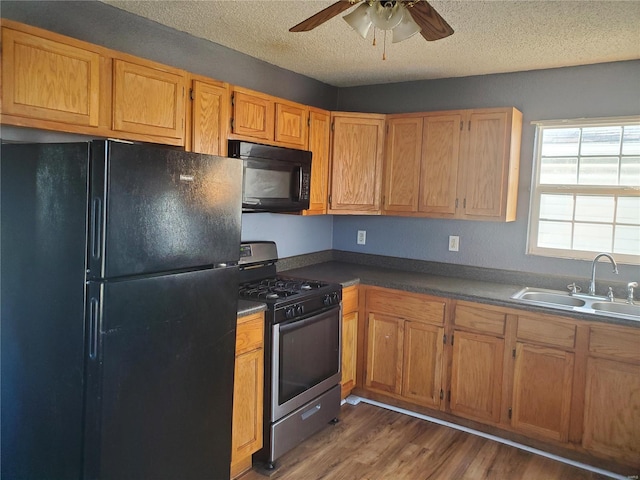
[309,353]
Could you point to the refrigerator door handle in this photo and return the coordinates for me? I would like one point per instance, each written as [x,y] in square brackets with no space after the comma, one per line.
[94,314]
[96,230]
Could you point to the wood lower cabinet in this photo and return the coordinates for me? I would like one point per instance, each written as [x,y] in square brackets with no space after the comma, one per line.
[209,117]
[319,145]
[247,392]
[612,397]
[356,163]
[405,334]
[350,299]
[476,376]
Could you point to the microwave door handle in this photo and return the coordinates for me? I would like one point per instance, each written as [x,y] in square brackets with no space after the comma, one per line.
[297,193]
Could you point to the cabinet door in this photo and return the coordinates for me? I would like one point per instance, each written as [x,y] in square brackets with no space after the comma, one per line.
[319,134]
[542,391]
[356,169]
[402,164]
[384,353]
[422,372]
[210,116]
[485,178]
[349,352]
[439,164]
[476,377]
[253,114]
[149,100]
[49,80]
[291,124]
[612,409]
[247,405]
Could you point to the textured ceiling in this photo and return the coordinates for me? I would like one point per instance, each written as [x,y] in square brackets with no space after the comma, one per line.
[490,37]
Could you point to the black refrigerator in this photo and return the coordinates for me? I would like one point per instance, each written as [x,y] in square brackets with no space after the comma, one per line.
[118,302]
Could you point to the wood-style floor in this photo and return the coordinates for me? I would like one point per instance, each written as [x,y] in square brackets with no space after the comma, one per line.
[372,443]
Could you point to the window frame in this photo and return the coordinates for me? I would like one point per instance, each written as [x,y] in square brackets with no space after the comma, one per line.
[538,190]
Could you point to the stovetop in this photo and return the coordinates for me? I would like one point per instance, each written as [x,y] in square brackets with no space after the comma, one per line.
[277,288]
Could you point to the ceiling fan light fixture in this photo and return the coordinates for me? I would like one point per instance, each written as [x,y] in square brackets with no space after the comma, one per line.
[359,19]
[406,28]
[386,15]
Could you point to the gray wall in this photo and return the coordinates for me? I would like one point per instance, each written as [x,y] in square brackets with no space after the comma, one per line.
[572,92]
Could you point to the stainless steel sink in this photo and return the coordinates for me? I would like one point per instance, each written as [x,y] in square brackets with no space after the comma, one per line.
[582,303]
[620,308]
[554,298]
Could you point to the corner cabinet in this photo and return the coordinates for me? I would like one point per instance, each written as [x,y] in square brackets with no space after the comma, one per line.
[319,144]
[246,437]
[356,163]
[404,347]
[463,164]
[612,395]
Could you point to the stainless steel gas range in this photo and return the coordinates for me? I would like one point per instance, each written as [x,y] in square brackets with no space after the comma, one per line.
[302,350]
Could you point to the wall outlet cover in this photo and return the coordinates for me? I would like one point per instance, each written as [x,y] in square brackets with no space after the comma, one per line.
[454,243]
[362,237]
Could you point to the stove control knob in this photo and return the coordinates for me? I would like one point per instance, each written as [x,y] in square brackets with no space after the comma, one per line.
[299,309]
[331,299]
[289,312]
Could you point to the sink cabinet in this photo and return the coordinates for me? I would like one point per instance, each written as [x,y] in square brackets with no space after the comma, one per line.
[612,394]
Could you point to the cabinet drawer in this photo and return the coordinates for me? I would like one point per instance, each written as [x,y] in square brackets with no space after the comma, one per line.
[622,343]
[546,331]
[479,319]
[406,305]
[250,333]
[350,299]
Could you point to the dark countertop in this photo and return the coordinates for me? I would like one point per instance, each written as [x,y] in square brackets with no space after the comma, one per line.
[498,294]
[247,307]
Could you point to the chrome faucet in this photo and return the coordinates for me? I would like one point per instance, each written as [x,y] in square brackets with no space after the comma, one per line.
[592,285]
[630,287]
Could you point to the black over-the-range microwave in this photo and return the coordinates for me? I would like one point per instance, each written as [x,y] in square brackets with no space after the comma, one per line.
[275,179]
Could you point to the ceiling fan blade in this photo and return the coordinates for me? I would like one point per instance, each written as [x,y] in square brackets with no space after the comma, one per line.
[323,15]
[433,26]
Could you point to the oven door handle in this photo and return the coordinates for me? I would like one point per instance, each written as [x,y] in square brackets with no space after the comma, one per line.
[299,323]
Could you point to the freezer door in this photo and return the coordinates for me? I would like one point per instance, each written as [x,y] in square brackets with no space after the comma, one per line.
[156,209]
[161,376]
[44,217]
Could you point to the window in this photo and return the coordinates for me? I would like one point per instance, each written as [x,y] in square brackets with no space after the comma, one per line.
[586,189]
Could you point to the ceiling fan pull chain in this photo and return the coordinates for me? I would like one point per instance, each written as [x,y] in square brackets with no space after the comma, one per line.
[384,46]
[374,36]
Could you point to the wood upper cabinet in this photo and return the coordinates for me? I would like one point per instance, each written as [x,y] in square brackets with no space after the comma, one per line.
[356,164]
[405,334]
[319,144]
[402,161]
[477,362]
[488,181]
[246,437]
[50,78]
[440,156]
[149,100]
[464,165]
[350,296]
[612,397]
[262,117]
[209,117]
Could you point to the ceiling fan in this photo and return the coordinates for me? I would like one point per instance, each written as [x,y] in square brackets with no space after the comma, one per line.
[403,17]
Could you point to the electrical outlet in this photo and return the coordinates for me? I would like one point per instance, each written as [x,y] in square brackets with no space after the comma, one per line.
[362,237]
[454,243]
